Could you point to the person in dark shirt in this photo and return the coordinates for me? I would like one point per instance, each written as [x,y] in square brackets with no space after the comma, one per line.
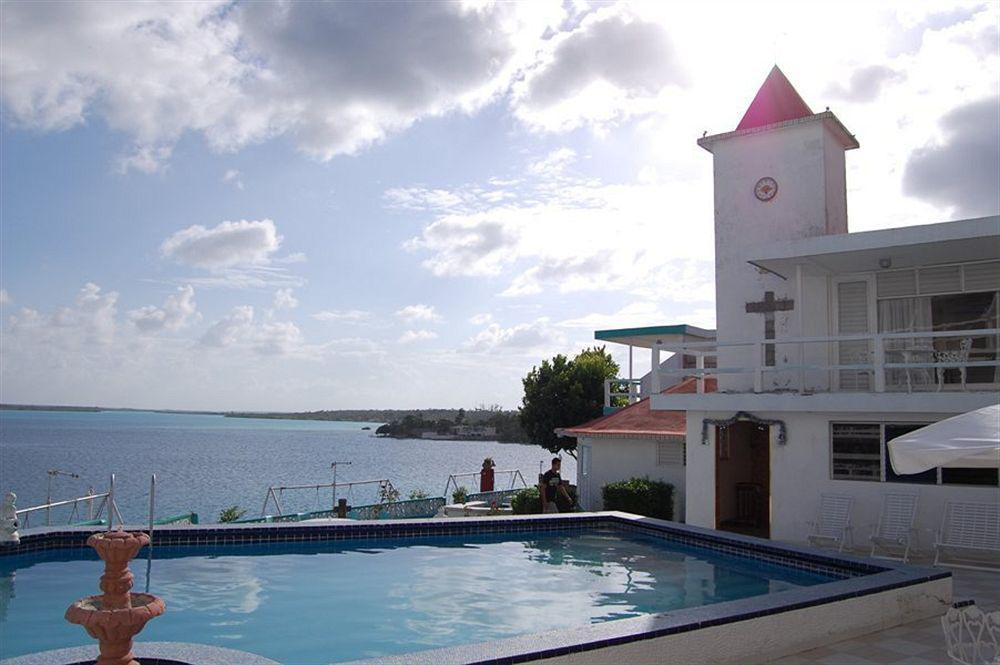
[555,498]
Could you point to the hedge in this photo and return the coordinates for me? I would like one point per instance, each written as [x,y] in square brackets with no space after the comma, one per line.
[526,502]
[640,496]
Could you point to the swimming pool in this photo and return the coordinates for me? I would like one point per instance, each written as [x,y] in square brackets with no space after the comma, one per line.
[316,594]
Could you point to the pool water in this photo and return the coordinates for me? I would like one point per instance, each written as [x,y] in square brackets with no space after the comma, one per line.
[333,601]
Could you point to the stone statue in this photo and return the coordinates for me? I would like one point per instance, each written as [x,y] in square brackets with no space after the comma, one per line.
[8,520]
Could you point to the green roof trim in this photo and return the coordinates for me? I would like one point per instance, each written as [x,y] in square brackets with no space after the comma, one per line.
[679,329]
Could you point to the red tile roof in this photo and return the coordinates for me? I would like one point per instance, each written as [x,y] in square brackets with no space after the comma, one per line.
[776,101]
[638,420]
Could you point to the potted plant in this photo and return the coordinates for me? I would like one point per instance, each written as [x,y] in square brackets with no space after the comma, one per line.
[460,495]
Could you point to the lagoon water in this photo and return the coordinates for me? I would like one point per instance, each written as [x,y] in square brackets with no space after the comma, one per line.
[204,463]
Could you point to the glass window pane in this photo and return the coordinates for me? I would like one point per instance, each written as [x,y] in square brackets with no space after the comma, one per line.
[970,477]
[928,477]
[855,451]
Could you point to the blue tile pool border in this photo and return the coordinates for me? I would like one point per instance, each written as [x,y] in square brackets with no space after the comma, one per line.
[857,576]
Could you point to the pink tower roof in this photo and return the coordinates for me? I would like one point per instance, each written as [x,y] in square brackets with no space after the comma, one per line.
[776,101]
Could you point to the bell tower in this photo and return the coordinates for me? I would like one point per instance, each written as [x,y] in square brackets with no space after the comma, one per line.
[779,176]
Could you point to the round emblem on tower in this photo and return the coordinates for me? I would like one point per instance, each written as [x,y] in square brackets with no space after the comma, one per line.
[765,189]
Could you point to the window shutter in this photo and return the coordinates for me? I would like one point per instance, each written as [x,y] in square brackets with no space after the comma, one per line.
[897,283]
[946,279]
[982,276]
[670,453]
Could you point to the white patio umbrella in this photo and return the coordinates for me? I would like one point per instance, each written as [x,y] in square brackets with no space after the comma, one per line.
[969,440]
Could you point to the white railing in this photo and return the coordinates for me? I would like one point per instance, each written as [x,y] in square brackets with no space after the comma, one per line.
[514,474]
[104,499]
[890,361]
[276,492]
[618,390]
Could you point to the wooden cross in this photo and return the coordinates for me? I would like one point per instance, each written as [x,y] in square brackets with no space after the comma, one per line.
[768,306]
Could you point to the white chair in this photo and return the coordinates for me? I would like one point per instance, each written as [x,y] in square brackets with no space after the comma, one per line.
[970,526]
[959,355]
[833,523]
[895,524]
[971,636]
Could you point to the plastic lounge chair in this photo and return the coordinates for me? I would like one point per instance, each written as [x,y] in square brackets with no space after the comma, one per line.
[969,526]
[833,524]
[895,525]
[971,636]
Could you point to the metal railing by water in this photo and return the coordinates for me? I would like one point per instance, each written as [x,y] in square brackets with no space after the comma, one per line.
[514,474]
[104,500]
[275,492]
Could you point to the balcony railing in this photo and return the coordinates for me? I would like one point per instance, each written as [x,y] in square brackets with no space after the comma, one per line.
[622,392]
[882,362]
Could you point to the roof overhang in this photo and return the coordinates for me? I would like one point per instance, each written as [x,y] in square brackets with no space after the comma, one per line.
[846,139]
[922,245]
[646,337]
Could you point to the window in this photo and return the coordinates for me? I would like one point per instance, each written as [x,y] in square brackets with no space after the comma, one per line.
[928,477]
[859,451]
[670,453]
[855,451]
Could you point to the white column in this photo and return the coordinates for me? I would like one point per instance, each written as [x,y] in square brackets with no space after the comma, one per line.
[631,386]
[800,321]
[654,379]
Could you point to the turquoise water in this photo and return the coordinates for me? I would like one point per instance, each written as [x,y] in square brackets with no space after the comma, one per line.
[323,602]
[205,463]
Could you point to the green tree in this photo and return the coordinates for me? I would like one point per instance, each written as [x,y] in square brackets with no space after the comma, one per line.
[563,393]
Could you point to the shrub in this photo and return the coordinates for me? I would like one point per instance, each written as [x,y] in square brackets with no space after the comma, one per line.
[418,494]
[231,514]
[460,495]
[526,502]
[640,496]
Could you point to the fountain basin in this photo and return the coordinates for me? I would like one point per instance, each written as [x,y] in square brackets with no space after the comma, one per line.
[108,624]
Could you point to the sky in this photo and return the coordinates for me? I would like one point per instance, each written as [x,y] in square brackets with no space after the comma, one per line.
[302,205]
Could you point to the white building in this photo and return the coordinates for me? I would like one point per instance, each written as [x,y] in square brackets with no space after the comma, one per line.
[829,343]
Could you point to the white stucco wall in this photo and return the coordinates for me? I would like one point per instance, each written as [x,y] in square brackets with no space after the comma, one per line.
[808,164]
[800,472]
[620,459]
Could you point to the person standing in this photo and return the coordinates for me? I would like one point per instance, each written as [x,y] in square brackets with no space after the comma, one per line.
[554,496]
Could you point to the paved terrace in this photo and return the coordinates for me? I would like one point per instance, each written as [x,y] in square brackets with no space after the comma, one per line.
[918,643]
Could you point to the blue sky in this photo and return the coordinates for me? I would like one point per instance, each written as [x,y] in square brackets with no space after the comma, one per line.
[274,206]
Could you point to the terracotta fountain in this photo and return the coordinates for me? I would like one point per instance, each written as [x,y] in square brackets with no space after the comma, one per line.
[118,615]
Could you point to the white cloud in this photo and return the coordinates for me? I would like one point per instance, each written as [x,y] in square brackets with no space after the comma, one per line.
[239,74]
[522,338]
[234,178]
[963,170]
[866,83]
[277,338]
[417,336]
[285,299]
[5,299]
[412,313]
[240,329]
[569,233]
[90,323]
[226,245]
[231,328]
[346,315]
[481,319]
[553,163]
[613,65]
[178,311]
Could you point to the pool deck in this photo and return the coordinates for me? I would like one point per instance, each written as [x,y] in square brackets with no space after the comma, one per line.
[916,643]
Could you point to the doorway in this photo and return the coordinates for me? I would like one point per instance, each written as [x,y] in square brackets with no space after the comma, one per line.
[743,479]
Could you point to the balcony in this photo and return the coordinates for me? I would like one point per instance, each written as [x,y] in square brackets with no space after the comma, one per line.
[947,370]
